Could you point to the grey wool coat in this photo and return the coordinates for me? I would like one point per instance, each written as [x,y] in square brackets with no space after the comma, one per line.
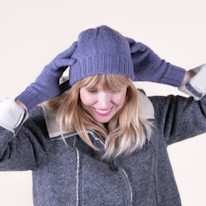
[76,175]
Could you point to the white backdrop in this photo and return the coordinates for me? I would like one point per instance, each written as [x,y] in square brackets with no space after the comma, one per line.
[33,32]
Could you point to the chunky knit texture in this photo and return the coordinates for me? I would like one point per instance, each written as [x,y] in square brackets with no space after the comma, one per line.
[47,84]
[103,50]
[100,51]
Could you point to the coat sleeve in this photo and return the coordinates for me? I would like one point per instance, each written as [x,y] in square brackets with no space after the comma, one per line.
[24,142]
[178,118]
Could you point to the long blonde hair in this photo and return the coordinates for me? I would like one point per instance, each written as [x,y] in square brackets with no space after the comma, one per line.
[127,131]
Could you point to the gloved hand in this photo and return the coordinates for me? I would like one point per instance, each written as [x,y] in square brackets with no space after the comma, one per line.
[148,66]
[47,84]
[196,86]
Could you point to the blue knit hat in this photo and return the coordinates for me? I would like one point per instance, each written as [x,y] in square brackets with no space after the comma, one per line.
[101,50]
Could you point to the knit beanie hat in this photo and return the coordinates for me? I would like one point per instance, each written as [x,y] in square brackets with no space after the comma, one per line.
[101,50]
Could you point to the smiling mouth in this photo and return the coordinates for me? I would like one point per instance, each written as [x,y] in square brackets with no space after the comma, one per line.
[103,112]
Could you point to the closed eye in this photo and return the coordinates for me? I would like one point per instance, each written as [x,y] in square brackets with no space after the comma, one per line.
[92,90]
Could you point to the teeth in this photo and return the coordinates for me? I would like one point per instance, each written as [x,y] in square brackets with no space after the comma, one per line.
[103,111]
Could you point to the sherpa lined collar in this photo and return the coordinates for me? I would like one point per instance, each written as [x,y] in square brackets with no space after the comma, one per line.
[54,130]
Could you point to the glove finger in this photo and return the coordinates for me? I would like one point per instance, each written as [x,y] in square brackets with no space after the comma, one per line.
[134,46]
[68,52]
[138,47]
[60,64]
[130,41]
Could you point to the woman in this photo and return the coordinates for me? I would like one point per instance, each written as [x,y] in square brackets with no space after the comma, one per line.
[98,140]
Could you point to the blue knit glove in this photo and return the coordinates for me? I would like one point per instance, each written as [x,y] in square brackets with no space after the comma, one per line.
[47,84]
[148,66]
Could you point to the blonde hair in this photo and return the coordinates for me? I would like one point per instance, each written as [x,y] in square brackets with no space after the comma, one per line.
[127,131]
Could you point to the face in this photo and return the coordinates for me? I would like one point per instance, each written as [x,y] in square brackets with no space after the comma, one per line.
[102,105]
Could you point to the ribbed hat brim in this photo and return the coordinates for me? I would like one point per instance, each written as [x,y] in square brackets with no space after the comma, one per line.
[101,64]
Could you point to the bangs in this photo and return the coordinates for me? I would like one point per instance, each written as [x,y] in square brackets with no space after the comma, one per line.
[109,82]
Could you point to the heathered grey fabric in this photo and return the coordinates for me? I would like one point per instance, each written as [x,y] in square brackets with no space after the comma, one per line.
[76,175]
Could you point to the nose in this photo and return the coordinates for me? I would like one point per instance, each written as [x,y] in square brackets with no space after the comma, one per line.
[104,100]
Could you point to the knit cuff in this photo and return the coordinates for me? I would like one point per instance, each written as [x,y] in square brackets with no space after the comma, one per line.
[11,115]
[173,75]
[29,98]
[104,63]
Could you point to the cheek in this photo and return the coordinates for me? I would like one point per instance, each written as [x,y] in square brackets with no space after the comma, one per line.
[120,98]
[86,99]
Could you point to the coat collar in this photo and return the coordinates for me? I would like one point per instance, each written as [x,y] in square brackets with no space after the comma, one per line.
[54,130]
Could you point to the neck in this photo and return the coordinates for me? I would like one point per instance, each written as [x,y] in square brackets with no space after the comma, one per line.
[106,125]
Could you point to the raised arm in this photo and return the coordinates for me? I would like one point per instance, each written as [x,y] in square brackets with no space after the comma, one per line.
[148,66]
[24,142]
[47,84]
[178,117]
